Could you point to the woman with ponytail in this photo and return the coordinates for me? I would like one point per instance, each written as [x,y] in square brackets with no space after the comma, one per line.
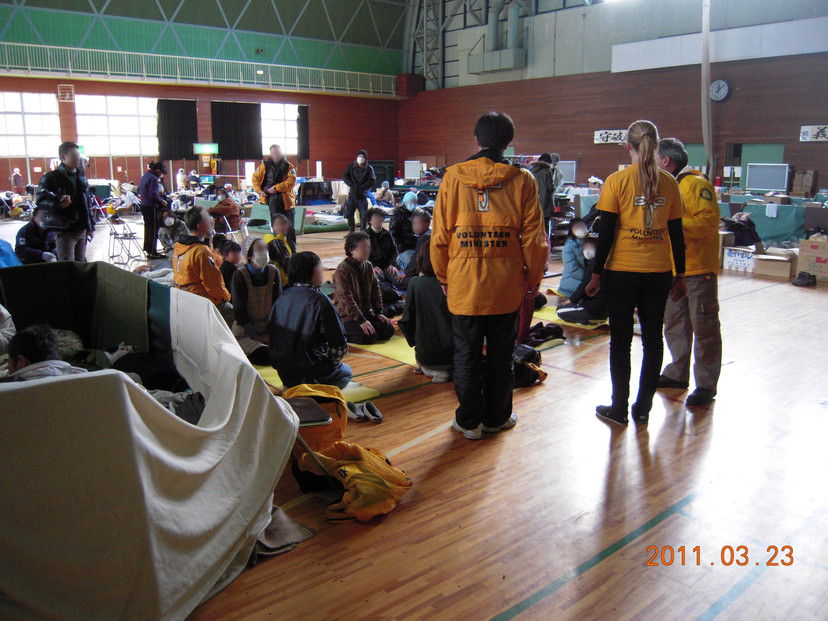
[640,243]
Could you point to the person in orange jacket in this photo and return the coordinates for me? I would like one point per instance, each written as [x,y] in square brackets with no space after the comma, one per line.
[228,208]
[194,268]
[273,182]
[691,325]
[488,250]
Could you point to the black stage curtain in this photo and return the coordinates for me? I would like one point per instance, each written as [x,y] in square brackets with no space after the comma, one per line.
[237,128]
[177,129]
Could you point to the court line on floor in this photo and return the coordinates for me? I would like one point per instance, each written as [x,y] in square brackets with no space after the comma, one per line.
[588,564]
[738,295]
[396,366]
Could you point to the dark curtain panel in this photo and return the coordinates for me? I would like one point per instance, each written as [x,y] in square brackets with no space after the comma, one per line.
[237,128]
[177,129]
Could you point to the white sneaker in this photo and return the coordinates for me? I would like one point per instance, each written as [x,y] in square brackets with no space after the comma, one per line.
[507,425]
[469,434]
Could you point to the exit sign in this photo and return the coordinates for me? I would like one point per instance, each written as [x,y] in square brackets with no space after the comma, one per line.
[205,148]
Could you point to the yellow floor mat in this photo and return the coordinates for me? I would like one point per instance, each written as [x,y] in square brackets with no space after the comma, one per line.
[395,348]
[354,391]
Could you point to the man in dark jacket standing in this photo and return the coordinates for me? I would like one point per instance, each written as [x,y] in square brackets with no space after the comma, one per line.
[548,176]
[63,194]
[360,178]
[35,244]
[151,205]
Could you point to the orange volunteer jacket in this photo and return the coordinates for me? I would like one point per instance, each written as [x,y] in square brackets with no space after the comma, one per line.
[264,178]
[487,240]
[700,221]
[194,270]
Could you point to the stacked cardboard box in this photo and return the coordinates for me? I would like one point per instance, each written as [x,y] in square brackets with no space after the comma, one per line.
[813,258]
[803,183]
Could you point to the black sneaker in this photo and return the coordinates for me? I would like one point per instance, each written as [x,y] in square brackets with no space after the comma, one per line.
[804,279]
[605,412]
[639,417]
[701,396]
[666,382]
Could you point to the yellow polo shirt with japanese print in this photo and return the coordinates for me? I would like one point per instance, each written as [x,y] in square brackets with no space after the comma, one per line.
[642,243]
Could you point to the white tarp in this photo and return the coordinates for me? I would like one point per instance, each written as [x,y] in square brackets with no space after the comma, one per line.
[113,508]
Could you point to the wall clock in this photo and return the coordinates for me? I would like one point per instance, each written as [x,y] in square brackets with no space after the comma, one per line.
[719,90]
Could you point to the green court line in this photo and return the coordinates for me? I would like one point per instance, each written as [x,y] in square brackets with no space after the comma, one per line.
[396,366]
[604,554]
[732,594]
[738,295]
[402,390]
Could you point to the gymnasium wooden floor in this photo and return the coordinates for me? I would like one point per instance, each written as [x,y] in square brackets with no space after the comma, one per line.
[557,518]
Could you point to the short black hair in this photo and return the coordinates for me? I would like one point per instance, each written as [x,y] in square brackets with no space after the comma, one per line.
[374,211]
[229,246]
[421,213]
[495,130]
[424,265]
[353,239]
[363,153]
[675,150]
[37,343]
[545,157]
[217,241]
[65,147]
[192,218]
[301,267]
[278,218]
[157,166]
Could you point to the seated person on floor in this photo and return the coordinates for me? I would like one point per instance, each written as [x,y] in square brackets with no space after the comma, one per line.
[7,330]
[401,231]
[420,225]
[231,255]
[280,246]
[384,195]
[194,267]
[582,308]
[256,286]
[357,296]
[307,338]
[573,258]
[226,208]
[34,354]
[426,322]
[34,243]
[171,231]
[217,242]
[383,251]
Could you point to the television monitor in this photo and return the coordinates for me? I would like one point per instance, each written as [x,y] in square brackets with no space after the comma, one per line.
[568,169]
[208,179]
[767,177]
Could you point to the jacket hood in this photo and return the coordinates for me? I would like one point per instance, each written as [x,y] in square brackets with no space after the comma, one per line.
[538,164]
[482,172]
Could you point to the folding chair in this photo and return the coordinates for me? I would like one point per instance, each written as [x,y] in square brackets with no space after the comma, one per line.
[123,244]
[227,230]
[256,224]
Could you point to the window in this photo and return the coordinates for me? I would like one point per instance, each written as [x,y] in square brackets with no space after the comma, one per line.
[279,127]
[111,125]
[29,125]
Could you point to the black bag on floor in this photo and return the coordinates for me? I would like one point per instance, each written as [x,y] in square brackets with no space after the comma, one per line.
[526,362]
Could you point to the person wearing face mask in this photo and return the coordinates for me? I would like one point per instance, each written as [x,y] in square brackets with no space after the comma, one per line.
[583,308]
[573,258]
[226,208]
[385,196]
[181,181]
[170,232]
[256,286]
[194,268]
[35,244]
[359,177]
[401,229]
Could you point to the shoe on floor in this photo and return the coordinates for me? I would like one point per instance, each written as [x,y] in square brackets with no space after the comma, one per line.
[469,434]
[355,413]
[668,382]
[639,417]
[605,412]
[701,396]
[371,412]
[507,425]
[804,279]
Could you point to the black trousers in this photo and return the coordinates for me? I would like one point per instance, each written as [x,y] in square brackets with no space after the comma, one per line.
[626,292]
[276,204]
[351,206]
[150,214]
[355,335]
[484,391]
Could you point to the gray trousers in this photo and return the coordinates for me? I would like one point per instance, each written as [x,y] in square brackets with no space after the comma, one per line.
[691,326]
[71,245]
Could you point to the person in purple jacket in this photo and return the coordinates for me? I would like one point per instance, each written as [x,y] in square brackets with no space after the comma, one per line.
[151,204]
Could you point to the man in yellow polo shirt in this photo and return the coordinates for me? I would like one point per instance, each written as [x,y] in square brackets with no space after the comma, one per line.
[691,325]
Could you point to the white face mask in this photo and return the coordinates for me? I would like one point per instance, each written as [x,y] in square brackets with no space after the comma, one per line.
[589,253]
[360,160]
[580,233]
[169,221]
[260,258]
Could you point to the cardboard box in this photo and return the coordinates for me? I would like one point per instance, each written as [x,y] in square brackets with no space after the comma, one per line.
[739,259]
[779,200]
[773,265]
[815,204]
[727,239]
[813,258]
[803,182]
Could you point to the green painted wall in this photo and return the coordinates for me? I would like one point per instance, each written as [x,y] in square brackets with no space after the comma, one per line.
[352,35]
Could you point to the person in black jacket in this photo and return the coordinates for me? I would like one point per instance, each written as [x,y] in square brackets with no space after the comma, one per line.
[581,307]
[34,243]
[549,178]
[360,178]
[400,228]
[307,338]
[383,251]
[63,194]
[152,202]
[420,223]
